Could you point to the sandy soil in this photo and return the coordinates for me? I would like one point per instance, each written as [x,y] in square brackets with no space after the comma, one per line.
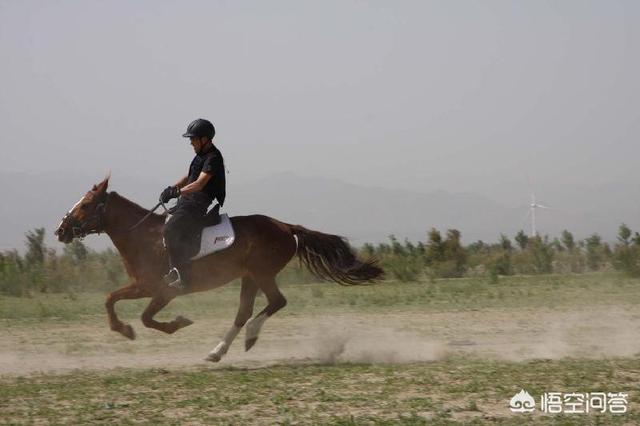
[348,337]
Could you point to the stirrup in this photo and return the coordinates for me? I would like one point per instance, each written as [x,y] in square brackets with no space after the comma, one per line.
[174,280]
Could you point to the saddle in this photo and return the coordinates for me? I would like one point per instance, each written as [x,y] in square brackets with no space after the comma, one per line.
[216,234]
[215,237]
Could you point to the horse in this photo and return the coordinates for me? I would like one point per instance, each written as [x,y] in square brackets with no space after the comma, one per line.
[263,246]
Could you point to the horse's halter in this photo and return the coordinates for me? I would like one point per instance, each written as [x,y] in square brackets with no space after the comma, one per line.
[96,220]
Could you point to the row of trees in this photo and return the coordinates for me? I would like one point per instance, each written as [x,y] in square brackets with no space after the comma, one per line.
[445,256]
[42,269]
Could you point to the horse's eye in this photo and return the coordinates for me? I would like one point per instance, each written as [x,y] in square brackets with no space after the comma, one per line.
[83,207]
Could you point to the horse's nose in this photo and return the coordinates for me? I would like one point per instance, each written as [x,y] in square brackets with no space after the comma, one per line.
[59,232]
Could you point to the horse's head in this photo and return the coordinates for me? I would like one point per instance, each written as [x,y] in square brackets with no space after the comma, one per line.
[86,216]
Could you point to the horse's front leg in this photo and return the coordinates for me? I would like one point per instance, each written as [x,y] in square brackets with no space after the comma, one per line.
[158,302]
[132,291]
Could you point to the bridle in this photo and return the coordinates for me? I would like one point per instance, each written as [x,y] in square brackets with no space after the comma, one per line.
[81,230]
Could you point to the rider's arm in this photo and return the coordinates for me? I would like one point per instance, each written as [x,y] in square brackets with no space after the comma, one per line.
[196,185]
[182,182]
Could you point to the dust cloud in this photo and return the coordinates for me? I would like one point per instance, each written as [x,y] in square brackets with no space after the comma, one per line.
[369,338]
[361,345]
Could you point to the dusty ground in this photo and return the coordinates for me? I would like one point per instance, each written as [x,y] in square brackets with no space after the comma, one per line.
[397,337]
[417,353]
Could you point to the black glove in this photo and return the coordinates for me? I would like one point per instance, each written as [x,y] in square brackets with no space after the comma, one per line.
[168,193]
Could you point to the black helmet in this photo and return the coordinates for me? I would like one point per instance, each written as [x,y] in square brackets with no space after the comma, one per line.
[199,128]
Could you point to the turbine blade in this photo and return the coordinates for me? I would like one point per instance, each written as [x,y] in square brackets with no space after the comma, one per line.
[546,207]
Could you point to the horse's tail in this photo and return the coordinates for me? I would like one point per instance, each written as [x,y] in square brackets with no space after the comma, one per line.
[330,257]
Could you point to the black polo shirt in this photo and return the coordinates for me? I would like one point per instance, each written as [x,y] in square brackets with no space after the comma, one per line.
[210,162]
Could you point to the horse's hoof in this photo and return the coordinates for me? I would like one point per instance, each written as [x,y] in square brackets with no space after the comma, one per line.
[248,344]
[182,321]
[213,357]
[127,331]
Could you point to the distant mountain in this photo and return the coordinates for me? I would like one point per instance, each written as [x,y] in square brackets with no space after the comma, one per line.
[361,213]
[369,214]
[365,214]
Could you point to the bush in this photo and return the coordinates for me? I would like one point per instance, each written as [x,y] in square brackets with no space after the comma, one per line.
[404,268]
[43,270]
[627,252]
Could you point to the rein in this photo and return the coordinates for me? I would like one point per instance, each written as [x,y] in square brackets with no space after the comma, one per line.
[148,214]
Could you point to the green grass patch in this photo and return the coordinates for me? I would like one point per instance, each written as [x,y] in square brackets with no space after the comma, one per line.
[432,295]
[463,390]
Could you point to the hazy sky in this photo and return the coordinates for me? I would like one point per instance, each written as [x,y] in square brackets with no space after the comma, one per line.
[453,95]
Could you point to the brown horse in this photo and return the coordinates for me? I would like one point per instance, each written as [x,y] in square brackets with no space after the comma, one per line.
[262,247]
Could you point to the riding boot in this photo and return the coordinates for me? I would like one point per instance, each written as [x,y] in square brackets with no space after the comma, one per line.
[181,234]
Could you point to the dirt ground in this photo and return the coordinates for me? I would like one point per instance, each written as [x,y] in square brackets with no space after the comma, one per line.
[399,337]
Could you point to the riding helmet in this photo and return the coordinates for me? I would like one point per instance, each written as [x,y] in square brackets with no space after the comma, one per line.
[200,127]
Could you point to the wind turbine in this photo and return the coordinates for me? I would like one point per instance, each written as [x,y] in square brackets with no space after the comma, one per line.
[532,211]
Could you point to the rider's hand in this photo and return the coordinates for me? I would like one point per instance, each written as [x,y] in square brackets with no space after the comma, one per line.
[168,193]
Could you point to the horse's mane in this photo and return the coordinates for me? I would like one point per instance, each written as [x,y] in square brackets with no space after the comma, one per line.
[139,210]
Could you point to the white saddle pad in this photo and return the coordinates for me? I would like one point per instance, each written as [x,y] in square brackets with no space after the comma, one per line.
[216,238]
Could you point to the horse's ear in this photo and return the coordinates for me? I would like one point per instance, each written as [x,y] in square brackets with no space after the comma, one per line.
[102,186]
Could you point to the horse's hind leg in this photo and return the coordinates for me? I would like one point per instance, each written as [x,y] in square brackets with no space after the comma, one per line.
[158,302]
[248,293]
[129,292]
[276,302]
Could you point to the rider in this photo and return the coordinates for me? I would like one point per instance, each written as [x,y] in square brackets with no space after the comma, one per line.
[195,192]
